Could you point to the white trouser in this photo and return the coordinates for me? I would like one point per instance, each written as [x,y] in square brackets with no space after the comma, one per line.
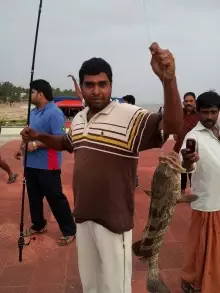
[104,259]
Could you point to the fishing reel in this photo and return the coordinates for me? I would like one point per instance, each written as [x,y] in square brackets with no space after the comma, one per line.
[22,243]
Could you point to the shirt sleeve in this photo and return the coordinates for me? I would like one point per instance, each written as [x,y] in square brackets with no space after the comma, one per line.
[57,123]
[69,136]
[149,135]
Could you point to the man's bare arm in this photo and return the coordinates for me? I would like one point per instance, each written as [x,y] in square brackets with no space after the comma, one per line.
[173,111]
[77,88]
[41,145]
[56,142]
[22,145]
[163,65]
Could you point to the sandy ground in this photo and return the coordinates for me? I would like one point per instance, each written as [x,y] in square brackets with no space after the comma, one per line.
[13,113]
[18,113]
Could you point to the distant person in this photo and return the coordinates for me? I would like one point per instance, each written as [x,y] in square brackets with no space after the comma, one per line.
[161,110]
[191,118]
[43,170]
[129,99]
[11,175]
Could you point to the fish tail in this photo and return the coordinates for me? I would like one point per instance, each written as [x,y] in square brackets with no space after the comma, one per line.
[157,286]
[154,282]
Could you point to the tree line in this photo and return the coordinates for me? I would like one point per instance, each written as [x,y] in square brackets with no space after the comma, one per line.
[10,93]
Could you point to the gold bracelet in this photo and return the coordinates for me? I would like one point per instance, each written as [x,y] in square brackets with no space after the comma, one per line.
[34,144]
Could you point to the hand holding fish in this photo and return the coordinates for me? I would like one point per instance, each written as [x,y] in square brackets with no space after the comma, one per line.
[162,62]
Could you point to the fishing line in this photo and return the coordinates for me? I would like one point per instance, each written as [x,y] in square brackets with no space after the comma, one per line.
[146,21]
[149,34]
[21,241]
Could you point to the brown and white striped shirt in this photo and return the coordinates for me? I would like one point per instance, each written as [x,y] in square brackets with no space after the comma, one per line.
[106,157]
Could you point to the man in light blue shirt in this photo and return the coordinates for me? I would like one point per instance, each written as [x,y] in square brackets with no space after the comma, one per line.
[43,168]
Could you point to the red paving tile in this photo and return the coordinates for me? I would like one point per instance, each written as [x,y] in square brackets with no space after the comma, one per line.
[51,269]
[16,275]
[39,288]
[14,289]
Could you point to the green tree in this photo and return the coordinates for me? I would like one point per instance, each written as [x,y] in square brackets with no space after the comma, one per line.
[10,92]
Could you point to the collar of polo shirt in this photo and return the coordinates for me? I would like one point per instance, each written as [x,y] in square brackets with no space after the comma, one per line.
[107,110]
[200,127]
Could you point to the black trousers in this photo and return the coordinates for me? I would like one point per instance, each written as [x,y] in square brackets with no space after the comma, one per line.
[47,183]
[184,180]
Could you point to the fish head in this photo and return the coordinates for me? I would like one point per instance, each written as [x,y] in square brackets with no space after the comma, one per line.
[173,161]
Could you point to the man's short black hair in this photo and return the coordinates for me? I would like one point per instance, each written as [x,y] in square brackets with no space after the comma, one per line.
[207,100]
[189,94]
[95,66]
[42,86]
[129,99]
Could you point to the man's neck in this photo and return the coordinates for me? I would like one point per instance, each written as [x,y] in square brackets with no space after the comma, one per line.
[92,112]
[189,112]
[41,106]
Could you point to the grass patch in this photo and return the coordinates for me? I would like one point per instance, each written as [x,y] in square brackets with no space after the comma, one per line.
[13,122]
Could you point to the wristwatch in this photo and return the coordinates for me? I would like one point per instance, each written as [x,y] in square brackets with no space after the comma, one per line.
[34,144]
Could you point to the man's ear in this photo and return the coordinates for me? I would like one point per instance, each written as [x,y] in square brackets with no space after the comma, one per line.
[41,95]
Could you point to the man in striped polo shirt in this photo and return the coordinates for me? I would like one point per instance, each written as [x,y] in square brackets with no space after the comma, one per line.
[106,138]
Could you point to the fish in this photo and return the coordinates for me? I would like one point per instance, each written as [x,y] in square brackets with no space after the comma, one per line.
[166,192]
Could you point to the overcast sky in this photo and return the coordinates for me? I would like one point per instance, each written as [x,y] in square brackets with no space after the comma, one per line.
[120,31]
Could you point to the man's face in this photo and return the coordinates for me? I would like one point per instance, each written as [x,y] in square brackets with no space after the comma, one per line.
[96,90]
[36,97]
[208,116]
[189,103]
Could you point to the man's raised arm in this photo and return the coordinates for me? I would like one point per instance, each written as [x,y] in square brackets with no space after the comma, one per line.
[163,65]
[173,112]
[77,88]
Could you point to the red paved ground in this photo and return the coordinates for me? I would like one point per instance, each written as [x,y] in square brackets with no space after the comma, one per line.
[47,268]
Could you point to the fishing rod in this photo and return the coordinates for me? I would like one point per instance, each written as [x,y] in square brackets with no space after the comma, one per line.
[21,241]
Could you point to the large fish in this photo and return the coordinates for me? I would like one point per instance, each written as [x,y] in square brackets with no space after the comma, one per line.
[166,191]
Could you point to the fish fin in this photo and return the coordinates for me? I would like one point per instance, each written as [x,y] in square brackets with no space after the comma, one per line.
[156,286]
[148,192]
